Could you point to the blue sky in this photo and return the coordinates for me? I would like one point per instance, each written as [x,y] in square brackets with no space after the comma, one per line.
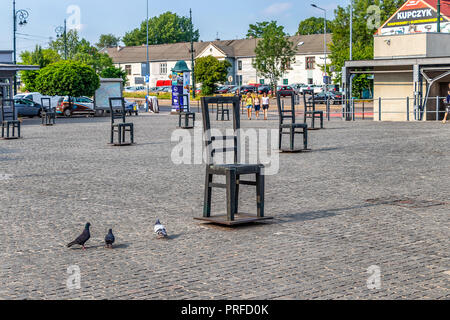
[230,18]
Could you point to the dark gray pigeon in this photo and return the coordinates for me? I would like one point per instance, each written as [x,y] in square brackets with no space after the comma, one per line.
[109,239]
[83,238]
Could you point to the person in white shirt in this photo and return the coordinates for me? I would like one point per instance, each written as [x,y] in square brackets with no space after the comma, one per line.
[265,104]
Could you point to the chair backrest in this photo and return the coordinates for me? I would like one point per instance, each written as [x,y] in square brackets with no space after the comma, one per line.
[184,102]
[207,102]
[310,105]
[283,113]
[117,109]
[8,110]
[46,104]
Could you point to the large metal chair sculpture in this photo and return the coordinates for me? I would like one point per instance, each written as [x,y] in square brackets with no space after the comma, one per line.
[232,172]
[310,110]
[121,127]
[9,120]
[185,114]
[48,114]
[288,126]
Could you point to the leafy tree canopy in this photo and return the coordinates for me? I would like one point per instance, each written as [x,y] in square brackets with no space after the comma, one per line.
[165,28]
[107,40]
[39,57]
[67,78]
[82,50]
[113,72]
[313,25]
[274,53]
[256,30]
[210,71]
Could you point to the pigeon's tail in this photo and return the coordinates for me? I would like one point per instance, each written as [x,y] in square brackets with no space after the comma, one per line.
[71,244]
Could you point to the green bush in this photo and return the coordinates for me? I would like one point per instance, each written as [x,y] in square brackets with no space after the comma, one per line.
[67,78]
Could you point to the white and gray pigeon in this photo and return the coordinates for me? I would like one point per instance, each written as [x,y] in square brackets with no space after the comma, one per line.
[160,230]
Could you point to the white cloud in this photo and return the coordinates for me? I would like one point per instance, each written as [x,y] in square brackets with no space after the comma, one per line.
[277,8]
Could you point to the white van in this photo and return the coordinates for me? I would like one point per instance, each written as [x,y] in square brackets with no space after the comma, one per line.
[36,98]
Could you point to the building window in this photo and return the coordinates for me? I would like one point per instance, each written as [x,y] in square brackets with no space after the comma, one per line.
[310,81]
[285,82]
[128,69]
[240,65]
[310,63]
[163,68]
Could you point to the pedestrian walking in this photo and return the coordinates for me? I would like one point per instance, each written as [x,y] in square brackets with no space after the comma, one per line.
[447,107]
[257,104]
[266,104]
[249,105]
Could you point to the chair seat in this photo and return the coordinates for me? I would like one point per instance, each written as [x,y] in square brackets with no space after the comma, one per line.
[122,125]
[317,111]
[10,121]
[239,168]
[294,125]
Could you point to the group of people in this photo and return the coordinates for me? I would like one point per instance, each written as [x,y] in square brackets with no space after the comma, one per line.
[256,102]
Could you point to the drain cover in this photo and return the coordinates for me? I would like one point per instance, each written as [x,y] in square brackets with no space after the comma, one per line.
[407,202]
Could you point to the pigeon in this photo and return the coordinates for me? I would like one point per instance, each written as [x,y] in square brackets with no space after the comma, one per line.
[83,238]
[109,239]
[160,230]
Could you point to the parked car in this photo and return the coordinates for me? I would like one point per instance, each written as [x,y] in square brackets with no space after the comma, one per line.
[246,89]
[135,89]
[264,89]
[79,105]
[27,108]
[285,91]
[333,97]
[223,89]
[36,97]
[131,107]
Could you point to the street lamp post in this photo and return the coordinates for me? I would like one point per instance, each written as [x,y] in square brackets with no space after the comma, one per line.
[62,32]
[351,30]
[21,16]
[192,54]
[324,43]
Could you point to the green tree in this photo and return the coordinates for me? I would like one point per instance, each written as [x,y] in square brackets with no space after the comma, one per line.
[274,53]
[73,41]
[165,28]
[313,25]
[113,72]
[82,50]
[210,71]
[39,57]
[67,78]
[362,35]
[256,30]
[107,40]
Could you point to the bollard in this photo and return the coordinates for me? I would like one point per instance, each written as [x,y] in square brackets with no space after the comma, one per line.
[437,108]
[407,108]
[328,109]
[363,110]
[379,109]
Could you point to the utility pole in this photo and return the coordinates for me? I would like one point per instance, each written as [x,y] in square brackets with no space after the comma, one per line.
[439,16]
[62,32]
[148,67]
[324,44]
[192,55]
[351,30]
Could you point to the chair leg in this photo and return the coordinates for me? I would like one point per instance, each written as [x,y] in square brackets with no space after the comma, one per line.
[208,194]
[280,138]
[132,134]
[236,203]
[292,137]
[231,194]
[305,138]
[112,135]
[260,194]
[18,129]
[321,121]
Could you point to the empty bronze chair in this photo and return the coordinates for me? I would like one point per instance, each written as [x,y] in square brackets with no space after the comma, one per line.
[48,114]
[119,124]
[289,126]
[10,122]
[310,109]
[185,114]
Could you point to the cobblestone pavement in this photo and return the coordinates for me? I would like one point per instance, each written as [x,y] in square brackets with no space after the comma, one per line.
[339,209]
